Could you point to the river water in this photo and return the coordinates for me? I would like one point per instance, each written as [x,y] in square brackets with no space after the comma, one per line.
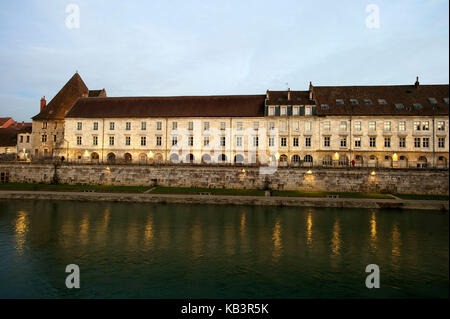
[128,250]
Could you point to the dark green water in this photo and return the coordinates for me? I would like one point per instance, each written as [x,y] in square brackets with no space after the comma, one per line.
[180,251]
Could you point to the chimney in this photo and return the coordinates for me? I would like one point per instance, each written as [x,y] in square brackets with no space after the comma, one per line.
[289,94]
[267,95]
[311,88]
[417,82]
[43,103]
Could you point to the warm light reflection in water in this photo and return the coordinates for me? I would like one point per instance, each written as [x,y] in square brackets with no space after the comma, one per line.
[243,223]
[21,229]
[396,241]
[373,230]
[336,239]
[276,238]
[196,238]
[309,224]
[148,235]
[84,228]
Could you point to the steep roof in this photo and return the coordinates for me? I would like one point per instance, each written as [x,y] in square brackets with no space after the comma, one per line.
[180,106]
[5,120]
[296,98]
[8,137]
[407,95]
[97,93]
[64,100]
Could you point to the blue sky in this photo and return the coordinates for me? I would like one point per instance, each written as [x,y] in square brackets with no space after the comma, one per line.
[145,48]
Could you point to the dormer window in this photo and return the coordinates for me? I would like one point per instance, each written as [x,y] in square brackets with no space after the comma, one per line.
[367,101]
[382,101]
[271,111]
[299,99]
[432,100]
[324,106]
[417,106]
[308,110]
[445,100]
[280,99]
[339,101]
[283,111]
[399,106]
[295,110]
[353,101]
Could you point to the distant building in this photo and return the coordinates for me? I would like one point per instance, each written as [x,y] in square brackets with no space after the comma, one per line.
[6,122]
[8,141]
[24,147]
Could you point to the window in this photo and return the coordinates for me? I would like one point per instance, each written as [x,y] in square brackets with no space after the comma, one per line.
[44,138]
[222,140]
[28,139]
[54,138]
[95,140]
[158,141]
[174,140]
[206,126]
[432,100]
[255,141]
[174,126]
[402,126]
[283,142]
[239,126]
[382,101]
[158,126]
[21,138]
[206,141]
[441,142]
[79,126]
[353,101]
[441,126]
[372,126]
[357,142]
[372,141]
[111,140]
[326,141]
[417,106]
[296,125]
[402,142]
[326,126]
[271,111]
[307,110]
[238,140]
[222,126]
[417,125]
[271,141]
[357,126]
[190,141]
[324,106]
[343,126]
[295,110]
[343,142]
[307,126]
[127,140]
[426,142]
[339,101]
[190,126]
[295,141]
[308,141]
[387,142]
[128,126]
[399,106]
[143,126]
[271,125]
[255,126]
[143,140]
[425,126]
[111,126]
[95,126]
[367,101]
[446,100]
[417,142]
[78,140]
[44,124]
[387,126]
[283,111]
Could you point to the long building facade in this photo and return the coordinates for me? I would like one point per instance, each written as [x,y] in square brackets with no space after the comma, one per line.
[375,126]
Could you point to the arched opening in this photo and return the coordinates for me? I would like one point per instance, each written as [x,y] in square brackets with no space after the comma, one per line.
[128,158]
[111,158]
[174,158]
[143,159]
[206,158]
[295,159]
[422,162]
[387,161]
[78,157]
[343,160]
[402,161]
[239,159]
[158,158]
[441,162]
[327,160]
[94,158]
[373,161]
[359,160]
[190,158]
[222,158]
[308,160]
[283,160]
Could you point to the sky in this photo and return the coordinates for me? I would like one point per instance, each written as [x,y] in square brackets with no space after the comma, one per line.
[209,47]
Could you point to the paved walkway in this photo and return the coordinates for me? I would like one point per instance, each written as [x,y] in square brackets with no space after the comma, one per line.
[230,200]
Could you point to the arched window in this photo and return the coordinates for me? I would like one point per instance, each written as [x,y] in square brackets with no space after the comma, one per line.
[190,158]
[174,158]
[111,158]
[128,158]
[206,158]
[327,160]
[222,158]
[143,159]
[239,159]
[308,159]
[283,158]
[295,158]
[94,157]
[343,160]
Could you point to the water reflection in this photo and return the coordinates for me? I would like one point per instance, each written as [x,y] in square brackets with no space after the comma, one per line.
[276,238]
[21,230]
[309,224]
[336,239]
[84,228]
[396,241]
[373,231]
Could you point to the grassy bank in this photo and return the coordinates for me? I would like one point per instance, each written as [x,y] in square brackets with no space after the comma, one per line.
[73,188]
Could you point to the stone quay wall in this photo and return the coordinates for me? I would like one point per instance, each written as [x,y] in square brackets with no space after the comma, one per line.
[402,181]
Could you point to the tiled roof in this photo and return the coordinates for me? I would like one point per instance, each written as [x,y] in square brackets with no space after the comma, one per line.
[296,98]
[64,100]
[5,120]
[407,95]
[8,137]
[97,93]
[181,106]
